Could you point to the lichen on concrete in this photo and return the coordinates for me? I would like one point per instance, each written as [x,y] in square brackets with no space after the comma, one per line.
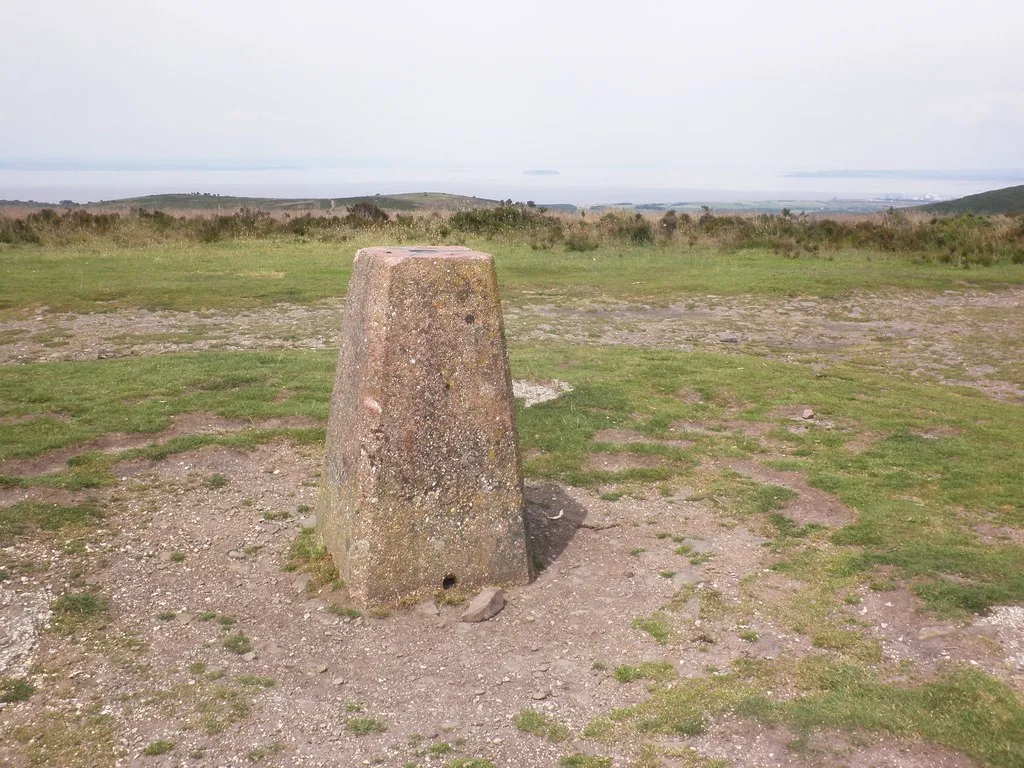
[422,486]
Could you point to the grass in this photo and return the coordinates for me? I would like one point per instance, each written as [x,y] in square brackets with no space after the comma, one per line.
[238,643]
[28,517]
[159,747]
[15,689]
[256,681]
[73,739]
[261,272]
[658,671]
[308,557]
[964,709]
[533,722]
[939,461]
[930,544]
[77,612]
[142,395]
[580,760]
[657,625]
[364,726]
[344,610]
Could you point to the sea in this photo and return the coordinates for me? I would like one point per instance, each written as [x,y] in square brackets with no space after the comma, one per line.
[581,186]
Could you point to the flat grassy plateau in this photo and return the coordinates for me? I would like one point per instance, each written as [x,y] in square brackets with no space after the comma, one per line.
[804,466]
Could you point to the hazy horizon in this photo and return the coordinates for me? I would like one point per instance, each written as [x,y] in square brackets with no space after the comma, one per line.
[707,96]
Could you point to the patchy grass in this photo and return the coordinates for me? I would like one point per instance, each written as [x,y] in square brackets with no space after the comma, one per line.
[215,481]
[470,762]
[538,724]
[238,643]
[15,689]
[228,275]
[78,612]
[73,739]
[364,726]
[219,707]
[964,709]
[657,625]
[141,395]
[658,671]
[26,517]
[159,747]
[909,492]
[308,557]
[256,681]
[580,760]
[344,610]
[259,754]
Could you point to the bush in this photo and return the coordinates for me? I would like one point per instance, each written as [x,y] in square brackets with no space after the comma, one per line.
[580,240]
[366,215]
[504,219]
[630,228]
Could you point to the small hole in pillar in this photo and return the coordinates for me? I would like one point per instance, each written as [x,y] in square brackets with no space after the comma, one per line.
[470,318]
[449,581]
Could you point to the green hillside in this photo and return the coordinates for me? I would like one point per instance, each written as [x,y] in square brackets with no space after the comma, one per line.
[196,201]
[412,201]
[1008,200]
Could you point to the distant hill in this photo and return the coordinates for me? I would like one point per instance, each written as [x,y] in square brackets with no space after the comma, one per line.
[1008,200]
[411,201]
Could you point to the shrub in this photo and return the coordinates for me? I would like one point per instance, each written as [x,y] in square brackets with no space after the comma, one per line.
[366,215]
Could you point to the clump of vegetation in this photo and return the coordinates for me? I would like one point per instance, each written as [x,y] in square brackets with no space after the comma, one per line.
[315,560]
[78,611]
[532,721]
[238,643]
[14,689]
[580,760]
[344,610]
[364,726]
[24,517]
[215,481]
[470,762]
[259,754]
[657,671]
[256,681]
[159,747]
[506,219]
[657,625]
[631,228]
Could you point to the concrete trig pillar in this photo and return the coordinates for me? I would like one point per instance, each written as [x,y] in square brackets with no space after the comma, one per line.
[422,486]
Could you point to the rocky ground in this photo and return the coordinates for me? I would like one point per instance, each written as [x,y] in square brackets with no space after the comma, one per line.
[213,652]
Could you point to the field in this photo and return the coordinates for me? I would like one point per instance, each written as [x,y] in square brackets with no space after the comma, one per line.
[778,516]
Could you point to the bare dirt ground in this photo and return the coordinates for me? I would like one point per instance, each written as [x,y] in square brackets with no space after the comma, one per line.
[424,675]
[186,567]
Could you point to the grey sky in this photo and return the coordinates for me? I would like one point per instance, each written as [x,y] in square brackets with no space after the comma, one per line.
[858,84]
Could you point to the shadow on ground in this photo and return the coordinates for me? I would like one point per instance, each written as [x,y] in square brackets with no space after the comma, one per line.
[552,519]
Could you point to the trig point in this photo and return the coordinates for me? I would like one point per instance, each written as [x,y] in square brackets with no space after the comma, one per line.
[422,486]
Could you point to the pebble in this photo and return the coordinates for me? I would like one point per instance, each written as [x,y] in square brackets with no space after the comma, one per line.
[322,668]
[250,656]
[927,633]
[729,338]
[540,694]
[338,681]
[807,414]
[485,605]
[234,554]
